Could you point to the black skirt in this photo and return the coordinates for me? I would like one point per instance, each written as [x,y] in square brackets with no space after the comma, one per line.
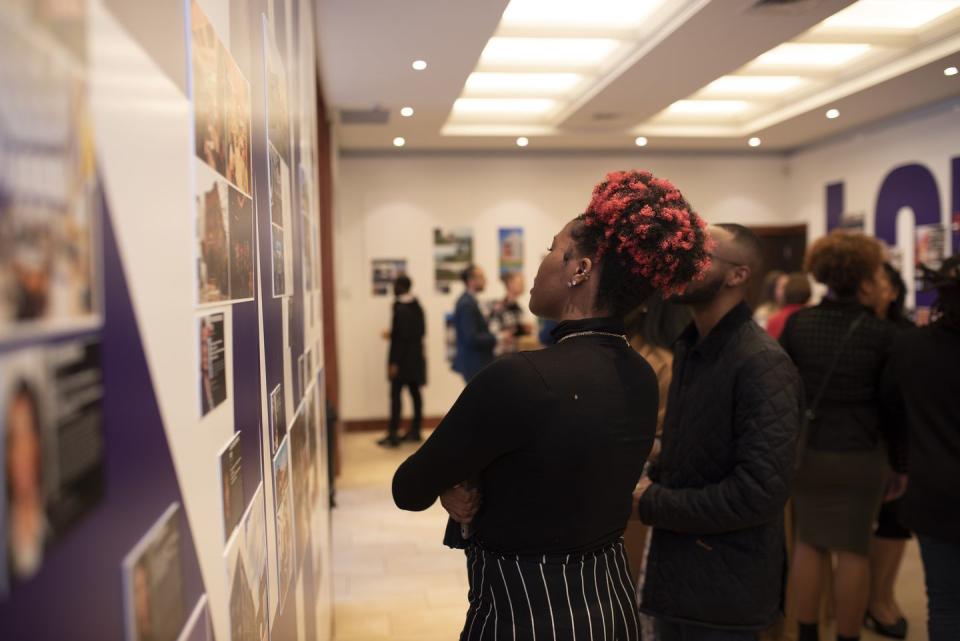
[587,596]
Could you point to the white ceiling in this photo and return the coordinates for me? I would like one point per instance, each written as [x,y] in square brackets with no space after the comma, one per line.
[366,48]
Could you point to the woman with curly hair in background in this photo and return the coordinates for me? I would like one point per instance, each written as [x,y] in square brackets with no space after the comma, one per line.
[553,442]
[840,348]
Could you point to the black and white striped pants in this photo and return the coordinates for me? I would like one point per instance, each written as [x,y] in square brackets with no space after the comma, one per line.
[587,596]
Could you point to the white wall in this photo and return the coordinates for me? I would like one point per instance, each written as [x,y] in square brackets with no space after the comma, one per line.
[388,205]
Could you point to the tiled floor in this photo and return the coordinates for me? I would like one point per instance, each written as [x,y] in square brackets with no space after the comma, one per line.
[393,579]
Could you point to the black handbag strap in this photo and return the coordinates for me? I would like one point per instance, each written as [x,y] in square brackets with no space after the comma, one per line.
[812,410]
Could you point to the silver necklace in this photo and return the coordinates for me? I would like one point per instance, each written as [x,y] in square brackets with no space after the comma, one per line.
[593,333]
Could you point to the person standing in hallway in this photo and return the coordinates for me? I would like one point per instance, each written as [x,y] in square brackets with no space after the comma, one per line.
[796,295]
[715,498]
[406,366]
[890,537]
[923,389]
[507,316]
[557,438]
[840,348]
[475,342]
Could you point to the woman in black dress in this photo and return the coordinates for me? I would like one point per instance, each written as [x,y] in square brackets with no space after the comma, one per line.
[554,441]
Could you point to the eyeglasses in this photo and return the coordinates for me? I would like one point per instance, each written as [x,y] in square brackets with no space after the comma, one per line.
[726,260]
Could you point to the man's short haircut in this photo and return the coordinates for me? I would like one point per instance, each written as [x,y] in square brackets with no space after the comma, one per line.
[748,241]
[401,285]
[467,273]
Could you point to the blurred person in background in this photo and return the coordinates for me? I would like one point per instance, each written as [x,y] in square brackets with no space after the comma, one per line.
[890,537]
[840,348]
[771,296]
[652,330]
[27,526]
[796,295]
[923,389]
[406,366]
[507,316]
[475,342]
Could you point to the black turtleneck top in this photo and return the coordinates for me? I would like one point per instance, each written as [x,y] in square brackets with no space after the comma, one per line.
[557,439]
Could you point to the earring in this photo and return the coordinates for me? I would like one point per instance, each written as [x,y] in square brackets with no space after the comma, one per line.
[572,283]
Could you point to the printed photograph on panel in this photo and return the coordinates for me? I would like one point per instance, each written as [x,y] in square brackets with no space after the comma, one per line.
[51,419]
[237,110]
[49,194]
[213,362]
[231,484]
[278,260]
[452,253]
[255,542]
[284,521]
[276,190]
[385,271]
[153,583]
[243,621]
[241,245]
[300,456]
[213,241]
[278,418]
[510,241]
[278,113]
[206,55]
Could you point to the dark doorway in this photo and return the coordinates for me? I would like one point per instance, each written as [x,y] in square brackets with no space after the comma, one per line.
[783,249]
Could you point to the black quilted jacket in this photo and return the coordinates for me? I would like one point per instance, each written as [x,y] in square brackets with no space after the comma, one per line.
[717,556]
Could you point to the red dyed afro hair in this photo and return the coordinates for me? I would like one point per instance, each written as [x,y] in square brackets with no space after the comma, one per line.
[646,235]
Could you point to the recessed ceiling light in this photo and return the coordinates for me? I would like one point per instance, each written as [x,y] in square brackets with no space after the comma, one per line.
[522,141]
[833,113]
[399,141]
[754,142]
[804,54]
[499,106]
[701,107]
[641,141]
[950,71]
[890,14]
[752,85]
[481,82]
[555,52]
[419,65]
[611,14]
[406,112]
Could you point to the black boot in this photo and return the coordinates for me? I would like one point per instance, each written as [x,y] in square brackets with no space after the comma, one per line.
[390,440]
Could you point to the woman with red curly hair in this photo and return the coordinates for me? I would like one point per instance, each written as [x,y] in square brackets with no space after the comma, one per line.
[840,348]
[537,459]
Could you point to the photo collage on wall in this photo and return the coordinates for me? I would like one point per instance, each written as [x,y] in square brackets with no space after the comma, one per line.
[51,382]
[278,151]
[510,241]
[222,126]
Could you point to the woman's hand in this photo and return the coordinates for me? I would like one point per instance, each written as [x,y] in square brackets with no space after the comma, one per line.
[461,503]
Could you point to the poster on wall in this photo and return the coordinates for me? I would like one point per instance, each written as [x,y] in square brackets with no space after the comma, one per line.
[153,594]
[385,271]
[853,221]
[48,191]
[255,550]
[213,362]
[930,245]
[283,500]
[452,253]
[51,415]
[510,242]
[280,224]
[278,418]
[300,480]
[231,484]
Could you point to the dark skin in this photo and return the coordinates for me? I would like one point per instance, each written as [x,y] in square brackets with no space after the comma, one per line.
[565,289]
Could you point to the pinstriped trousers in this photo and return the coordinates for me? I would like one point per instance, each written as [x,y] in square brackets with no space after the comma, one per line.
[587,596]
